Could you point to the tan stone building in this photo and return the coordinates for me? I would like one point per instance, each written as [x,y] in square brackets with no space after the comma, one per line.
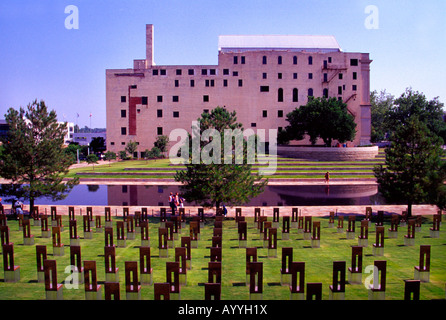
[262,78]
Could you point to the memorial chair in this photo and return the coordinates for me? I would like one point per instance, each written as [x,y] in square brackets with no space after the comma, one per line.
[93,291]
[53,289]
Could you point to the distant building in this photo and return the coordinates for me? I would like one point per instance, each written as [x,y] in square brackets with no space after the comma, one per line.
[84,139]
[262,78]
[70,132]
[4,128]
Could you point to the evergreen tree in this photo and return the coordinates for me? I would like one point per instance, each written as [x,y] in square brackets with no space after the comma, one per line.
[33,158]
[414,171]
[217,182]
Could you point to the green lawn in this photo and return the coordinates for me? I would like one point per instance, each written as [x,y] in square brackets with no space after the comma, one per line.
[298,170]
[334,246]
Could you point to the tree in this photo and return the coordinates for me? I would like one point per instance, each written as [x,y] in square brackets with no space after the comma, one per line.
[381,105]
[217,182]
[97,144]
[92,159]
[131,148]
[109,156]
[161,143]
[123,155]
[323,118]
[153,153]
[71,150]
[414,171]
[33,158]
[413,103]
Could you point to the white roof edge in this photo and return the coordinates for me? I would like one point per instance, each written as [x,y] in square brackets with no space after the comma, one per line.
[278,42]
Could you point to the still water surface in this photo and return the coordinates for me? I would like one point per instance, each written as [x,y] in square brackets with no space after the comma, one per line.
[145,195]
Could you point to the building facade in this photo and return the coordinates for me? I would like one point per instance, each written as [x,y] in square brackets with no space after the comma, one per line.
[262,78]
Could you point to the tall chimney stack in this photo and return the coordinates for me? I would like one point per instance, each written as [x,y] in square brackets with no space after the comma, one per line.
[149,45]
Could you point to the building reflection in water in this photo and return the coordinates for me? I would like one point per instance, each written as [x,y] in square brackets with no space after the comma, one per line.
[146,195]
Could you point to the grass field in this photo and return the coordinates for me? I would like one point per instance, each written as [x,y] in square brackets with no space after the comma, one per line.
[286,169]
[334,246]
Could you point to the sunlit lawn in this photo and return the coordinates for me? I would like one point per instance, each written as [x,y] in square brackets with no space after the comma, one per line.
[318,262]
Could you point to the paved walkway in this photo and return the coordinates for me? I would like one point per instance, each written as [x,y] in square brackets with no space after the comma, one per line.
[249,211]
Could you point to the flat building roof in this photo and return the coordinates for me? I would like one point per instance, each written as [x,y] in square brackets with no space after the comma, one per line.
[240,43]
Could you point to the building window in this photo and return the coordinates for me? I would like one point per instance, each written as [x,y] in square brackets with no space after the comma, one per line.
[339,89]
[122,143]
[279,113]
[178,72]
[243,59]
[123,113]
[176,114]
[212,72]
[310,92]
[163,72]
[265,113]
[295,95]
[112,143]
[325,77]
[177,83]
[159,113]
[209,83]
[355,75]
[325,93]
[295,75]
[235,73]
[123,98]
[329,59]
[155,72]
[310,60]
[225,72]
[175,99]
[279,60]
[205,110]
[192,83]
[280,95]
[123,131]
[310,76]
[204,72]
[159,131]
[354,87]
[353,62]
[240,82]
[144,101]
[159,99]
[264,60]
[340,76]
[264,75]
[205,98]
[279,75]
[191,72]
[295,60]
[225,82]
[264,88]
[253,124]
[235,60]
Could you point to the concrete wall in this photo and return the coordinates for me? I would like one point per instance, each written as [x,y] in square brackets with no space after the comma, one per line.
[328,154]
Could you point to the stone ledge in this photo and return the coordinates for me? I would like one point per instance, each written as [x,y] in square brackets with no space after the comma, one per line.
[328,154]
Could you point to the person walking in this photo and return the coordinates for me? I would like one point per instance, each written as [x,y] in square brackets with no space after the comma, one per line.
[327,177]
[172,203]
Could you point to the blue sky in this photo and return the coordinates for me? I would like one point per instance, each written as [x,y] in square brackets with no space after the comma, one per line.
[41,59]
